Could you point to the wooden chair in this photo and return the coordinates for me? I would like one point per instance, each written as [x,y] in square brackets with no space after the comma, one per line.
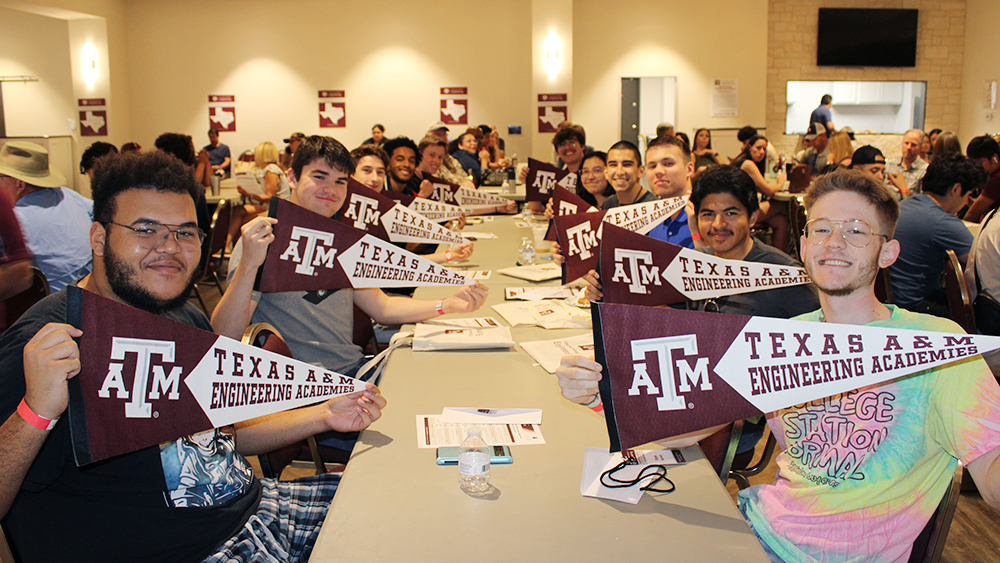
[883,286]
[929,545]
[263,335]
[720,448]
[742,476]
[214,252]
[959,296]
[18,304]
[796,222]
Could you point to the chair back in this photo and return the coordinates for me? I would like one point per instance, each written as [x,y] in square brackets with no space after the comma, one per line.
[220,228]
[929,545]
[720,448]
[800,178]
[17,305]
[959,297]
[883,286]
[797,221]
[742,476]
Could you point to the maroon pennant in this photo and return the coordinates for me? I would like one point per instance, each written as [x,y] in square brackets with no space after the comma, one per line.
[579,236]
[364,207]
[444,191]
[633,267]
[405,199]
[565,202]
[145,380]
[543,178]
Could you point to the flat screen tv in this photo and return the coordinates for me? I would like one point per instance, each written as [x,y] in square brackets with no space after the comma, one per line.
[867,37]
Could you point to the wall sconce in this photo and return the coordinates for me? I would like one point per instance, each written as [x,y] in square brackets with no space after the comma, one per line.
[552,62]
[89,64]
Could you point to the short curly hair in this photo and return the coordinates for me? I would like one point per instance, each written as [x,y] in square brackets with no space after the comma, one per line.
[156,171]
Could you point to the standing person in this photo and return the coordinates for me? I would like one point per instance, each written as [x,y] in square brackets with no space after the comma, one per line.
[909,165]
[53,218]
[774,213]
[269,175]
[378,136]
[318,325]
[704,154]
[218,154]
[928,227]
[220,511]
[986,151]
[823,114]
[873,511]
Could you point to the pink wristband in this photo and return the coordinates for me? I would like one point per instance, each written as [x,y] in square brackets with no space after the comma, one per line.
[599,407]
[39,422]
[440,306]
[695,236]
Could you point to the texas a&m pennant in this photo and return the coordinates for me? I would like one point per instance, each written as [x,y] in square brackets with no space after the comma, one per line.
[670,371]
[311,252]
[436,211]
[565,202]
[389,220]
[444,191]
[579,234]
[145,380]
[543,178]
[640,270]
[470,199]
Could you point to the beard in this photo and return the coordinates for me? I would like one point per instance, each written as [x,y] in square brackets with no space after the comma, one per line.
[122,279]
[865,279]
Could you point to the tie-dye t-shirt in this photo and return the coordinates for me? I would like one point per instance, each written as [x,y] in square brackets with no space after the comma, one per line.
[862,472]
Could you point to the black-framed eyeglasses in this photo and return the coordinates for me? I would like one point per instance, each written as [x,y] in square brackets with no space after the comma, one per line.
[856,232]
[153,235]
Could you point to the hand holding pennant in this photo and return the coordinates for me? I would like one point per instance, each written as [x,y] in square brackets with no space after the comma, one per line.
[565,202]
[145,380]
[640,270]
[668,372]
[389,220]
[579,234]
[543,178]
[311,253]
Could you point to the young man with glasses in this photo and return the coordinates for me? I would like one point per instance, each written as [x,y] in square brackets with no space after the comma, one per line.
[861,472]
[147,246]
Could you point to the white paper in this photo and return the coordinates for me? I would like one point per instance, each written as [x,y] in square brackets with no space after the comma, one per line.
[472,322]
[536,272]
[725,98]
[429,338]
[597,460]
[537,293]
[432,433]
[491,416]
[546,314]
[475,235]
[548,353]
[249,183]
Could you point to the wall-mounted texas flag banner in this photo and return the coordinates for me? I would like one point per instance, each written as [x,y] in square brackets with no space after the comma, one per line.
[444,191]
[470,199]
[436,211]
[670,371]
[641,270]
[311,253]
[145,380]
[389,220]
[566,202]
[543,178]
[579,234]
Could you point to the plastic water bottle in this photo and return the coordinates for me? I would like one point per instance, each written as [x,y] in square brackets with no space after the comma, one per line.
[526,253]
[526,213]
[474,462]
[505,188]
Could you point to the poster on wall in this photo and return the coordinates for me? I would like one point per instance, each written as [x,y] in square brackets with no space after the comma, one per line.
[725,98]
[552,110]
[94,119]
[222,112]
[332,108]
[455,106]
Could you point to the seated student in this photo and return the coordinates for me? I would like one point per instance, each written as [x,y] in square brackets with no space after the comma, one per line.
[624,171]
[469,155]
[318,325]
[269,175]
[817,510]
[986,151]
[870,160]
[94,152]
[56,511]
[753,161]
[54,219]
[927,228]
[403,161]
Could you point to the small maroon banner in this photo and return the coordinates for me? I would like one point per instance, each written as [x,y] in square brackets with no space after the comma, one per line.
[94,123]
[312,253]
[632,268]
[332,114]
[220,98]
[549,118]
[331,94]
[444,191]
[543,178]
[455,111]
[145,380]
[87,102]
[579,236]
[464,91]
[405,199]
[552,97]
[222,118]
[363,209]
[565,202]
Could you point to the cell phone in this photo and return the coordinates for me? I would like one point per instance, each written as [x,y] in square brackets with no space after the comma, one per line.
[449,455]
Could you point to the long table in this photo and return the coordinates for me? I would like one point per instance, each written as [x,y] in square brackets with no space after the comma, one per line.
[395,504]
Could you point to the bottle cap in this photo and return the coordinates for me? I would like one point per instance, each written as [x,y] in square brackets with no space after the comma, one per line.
[475,431]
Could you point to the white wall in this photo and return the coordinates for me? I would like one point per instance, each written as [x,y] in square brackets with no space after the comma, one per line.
[981,63]
[391,58]
[694,41]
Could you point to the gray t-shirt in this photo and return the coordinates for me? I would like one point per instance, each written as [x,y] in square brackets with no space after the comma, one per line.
[318,326]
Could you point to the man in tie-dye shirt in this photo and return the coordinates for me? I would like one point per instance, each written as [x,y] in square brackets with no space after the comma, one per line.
[862,472]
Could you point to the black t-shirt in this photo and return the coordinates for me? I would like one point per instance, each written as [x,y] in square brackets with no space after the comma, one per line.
[113,510]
